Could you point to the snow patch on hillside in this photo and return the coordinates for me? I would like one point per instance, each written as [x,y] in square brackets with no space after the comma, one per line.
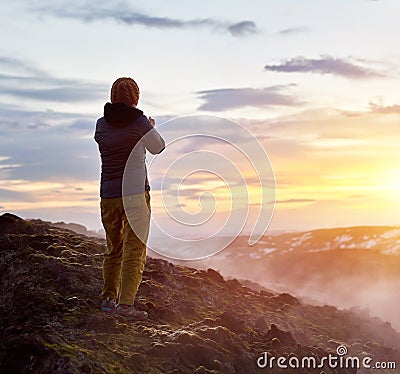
[343,239]
[390,234]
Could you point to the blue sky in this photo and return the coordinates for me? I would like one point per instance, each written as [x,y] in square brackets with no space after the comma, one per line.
[316,81]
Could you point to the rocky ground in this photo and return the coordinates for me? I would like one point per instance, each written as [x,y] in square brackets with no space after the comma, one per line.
[198,322]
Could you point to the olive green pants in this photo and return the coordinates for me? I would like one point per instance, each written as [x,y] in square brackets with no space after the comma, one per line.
[126,234]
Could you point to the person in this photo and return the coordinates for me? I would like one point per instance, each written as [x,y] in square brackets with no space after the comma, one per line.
[123,135]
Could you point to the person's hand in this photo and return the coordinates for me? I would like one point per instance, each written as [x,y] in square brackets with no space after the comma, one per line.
[152,121]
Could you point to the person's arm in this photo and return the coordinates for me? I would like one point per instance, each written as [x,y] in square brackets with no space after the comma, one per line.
[152,140]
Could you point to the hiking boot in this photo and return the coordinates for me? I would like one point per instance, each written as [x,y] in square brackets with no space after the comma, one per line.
[108,305]
[129,312]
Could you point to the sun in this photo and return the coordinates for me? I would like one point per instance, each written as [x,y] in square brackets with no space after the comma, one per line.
[393,185]
[396,180]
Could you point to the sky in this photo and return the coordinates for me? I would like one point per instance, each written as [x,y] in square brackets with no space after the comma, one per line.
[314,82]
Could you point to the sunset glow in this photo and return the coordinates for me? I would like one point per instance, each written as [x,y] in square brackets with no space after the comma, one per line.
[322,100]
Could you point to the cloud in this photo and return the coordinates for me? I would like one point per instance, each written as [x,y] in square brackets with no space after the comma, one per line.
[324,65]
[124,14]
[23,80]
[229,98]
[291,201]
[14,118]
[293,31]
[358,196]
[82,126]
[69,92]
[242,28]
[382,109]
[20,66]
[50,154]
[47,145]
[8,195]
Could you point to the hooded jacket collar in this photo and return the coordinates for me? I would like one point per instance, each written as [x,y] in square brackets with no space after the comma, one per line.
[121,114]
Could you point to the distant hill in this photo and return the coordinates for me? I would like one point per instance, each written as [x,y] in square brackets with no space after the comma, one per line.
[350,266]
[75,227]
[198,322]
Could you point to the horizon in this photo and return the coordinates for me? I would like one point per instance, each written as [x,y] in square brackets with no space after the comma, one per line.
[273,232]
[322,101]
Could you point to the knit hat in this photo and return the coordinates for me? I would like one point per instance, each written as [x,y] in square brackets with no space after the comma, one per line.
[125,90]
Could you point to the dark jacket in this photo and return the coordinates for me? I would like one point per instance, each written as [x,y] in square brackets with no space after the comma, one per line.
[125,131]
